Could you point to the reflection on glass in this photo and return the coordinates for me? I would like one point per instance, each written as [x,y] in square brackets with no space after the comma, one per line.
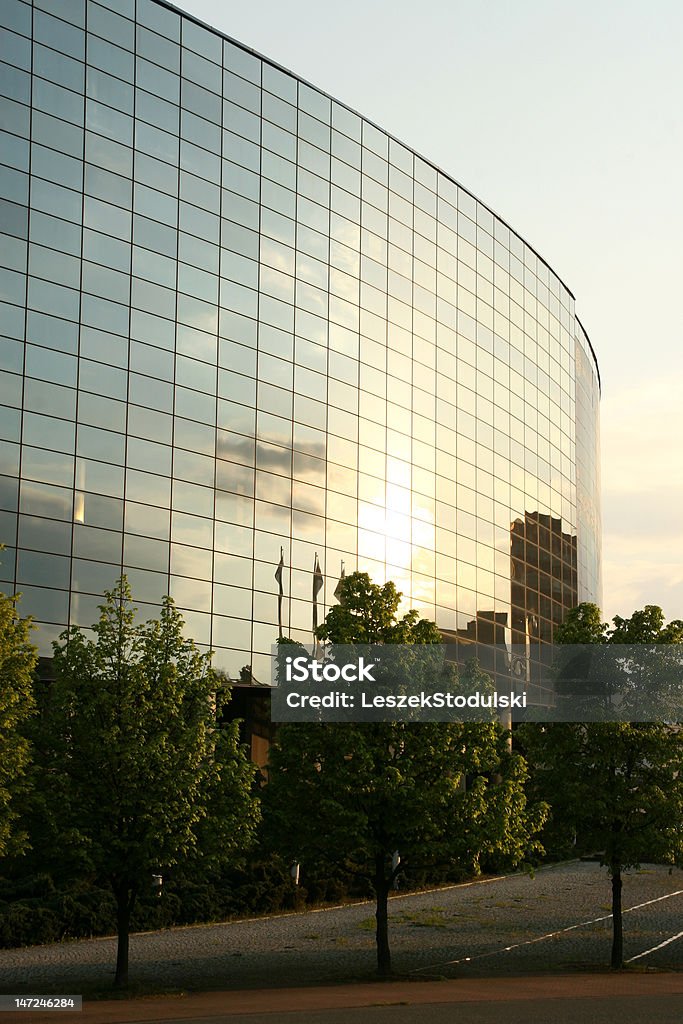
[333,349]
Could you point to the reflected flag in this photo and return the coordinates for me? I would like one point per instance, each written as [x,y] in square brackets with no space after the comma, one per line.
[278,576]
[338,589]
[317,587]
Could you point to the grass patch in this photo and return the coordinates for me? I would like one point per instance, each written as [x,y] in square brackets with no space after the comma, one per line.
[430,917]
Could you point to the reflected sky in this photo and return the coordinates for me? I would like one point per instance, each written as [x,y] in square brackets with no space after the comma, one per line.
[570,202]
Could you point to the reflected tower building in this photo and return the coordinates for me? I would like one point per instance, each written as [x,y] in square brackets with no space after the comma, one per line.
[239,317]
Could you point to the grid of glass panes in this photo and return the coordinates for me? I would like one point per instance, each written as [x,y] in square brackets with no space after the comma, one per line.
[253,321]
[589,524]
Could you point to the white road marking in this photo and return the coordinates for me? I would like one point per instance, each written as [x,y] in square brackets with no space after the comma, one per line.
[655,948]
[561,931]
[679,892]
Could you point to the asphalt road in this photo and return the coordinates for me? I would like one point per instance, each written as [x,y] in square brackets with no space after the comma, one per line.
[615,1010]
[594,998]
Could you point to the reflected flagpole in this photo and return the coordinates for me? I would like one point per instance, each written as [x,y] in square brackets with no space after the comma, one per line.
[278,576]
[317,587]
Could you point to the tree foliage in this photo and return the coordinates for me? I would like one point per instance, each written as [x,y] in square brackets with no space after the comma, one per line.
[143,775]
[618,786]
[367,614]
[17,663]
[358,795]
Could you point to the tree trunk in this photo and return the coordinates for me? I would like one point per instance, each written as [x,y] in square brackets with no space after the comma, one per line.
[617,925]
[124,906]
[382,918]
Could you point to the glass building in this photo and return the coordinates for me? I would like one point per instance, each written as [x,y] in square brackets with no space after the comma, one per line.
[239,321]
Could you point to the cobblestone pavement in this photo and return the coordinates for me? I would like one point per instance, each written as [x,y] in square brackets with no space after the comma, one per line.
[556,921]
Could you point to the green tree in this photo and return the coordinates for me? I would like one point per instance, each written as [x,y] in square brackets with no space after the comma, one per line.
[582,625]
[617,785]
[144,776]
[17,663]
[356,795]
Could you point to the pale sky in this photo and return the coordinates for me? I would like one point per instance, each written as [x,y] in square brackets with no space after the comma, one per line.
[565,118]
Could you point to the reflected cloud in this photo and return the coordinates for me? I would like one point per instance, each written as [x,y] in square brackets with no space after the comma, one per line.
[270,456]
[235,447]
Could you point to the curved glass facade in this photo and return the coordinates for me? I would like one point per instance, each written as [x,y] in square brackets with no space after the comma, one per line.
[240,318]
